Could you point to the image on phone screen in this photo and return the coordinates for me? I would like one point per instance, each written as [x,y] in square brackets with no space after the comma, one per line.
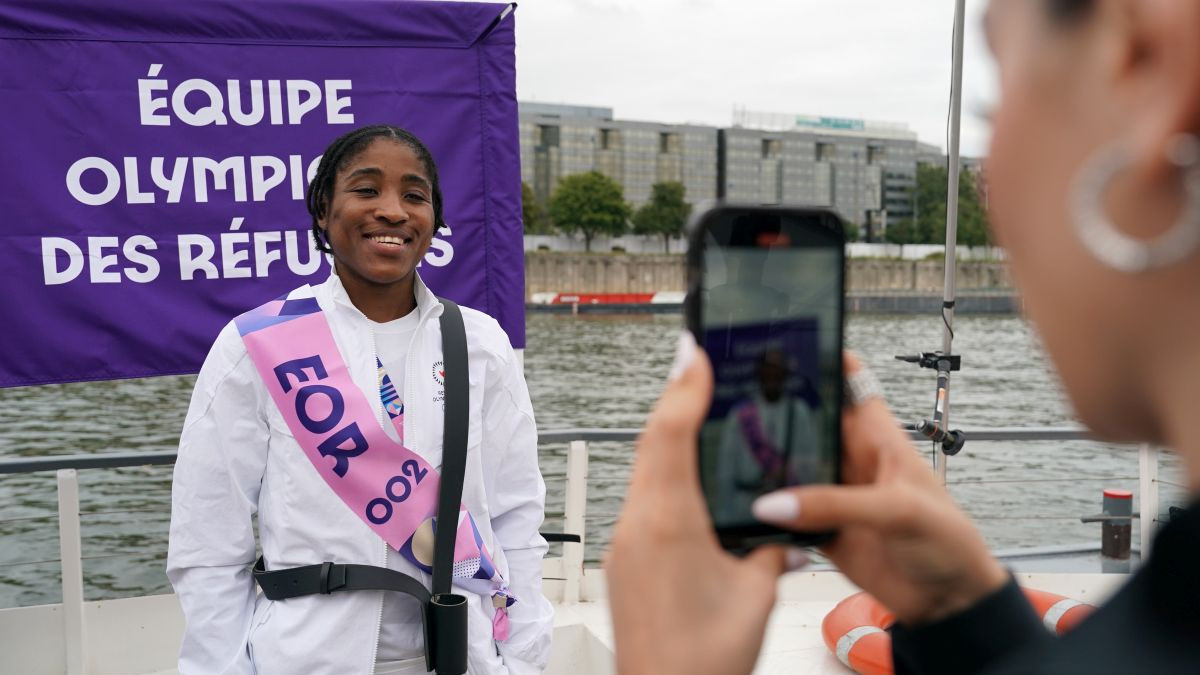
[770,309]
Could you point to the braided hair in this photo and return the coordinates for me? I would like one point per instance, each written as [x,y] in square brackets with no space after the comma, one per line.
[345,148]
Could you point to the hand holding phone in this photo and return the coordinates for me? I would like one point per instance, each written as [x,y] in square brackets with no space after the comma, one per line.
[765,302]
[679,603]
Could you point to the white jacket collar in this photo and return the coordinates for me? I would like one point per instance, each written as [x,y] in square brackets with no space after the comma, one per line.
[427,303]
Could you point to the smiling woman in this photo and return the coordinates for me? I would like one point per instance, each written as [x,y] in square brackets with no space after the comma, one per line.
[352,371]
[376,203]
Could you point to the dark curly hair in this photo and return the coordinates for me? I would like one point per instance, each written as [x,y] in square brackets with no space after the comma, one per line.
[1069,10]
[345,148]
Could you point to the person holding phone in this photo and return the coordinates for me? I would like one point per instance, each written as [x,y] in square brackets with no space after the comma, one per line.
[769,441]
[1094,190]
[370,374]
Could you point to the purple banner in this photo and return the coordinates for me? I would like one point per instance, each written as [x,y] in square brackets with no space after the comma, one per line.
[156,157]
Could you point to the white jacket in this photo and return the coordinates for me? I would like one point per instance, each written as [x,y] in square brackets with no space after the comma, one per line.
[237,459]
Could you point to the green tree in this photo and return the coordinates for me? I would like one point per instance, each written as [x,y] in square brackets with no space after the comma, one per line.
[901,232]
[929,197]
[972,220]
[590,203]
[533,217]
[665,214]
[851,230]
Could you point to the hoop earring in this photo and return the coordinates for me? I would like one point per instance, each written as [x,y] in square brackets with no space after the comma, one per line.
[1119,251]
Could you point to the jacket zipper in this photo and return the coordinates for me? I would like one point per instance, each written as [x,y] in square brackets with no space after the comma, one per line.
[380,413]
[378,627]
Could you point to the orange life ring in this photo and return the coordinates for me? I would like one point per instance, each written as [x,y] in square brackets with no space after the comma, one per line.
[856,629]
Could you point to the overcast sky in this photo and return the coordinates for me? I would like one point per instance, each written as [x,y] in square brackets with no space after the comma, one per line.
[694,60]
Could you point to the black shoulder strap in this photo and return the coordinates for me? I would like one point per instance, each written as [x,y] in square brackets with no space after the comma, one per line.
[454,444]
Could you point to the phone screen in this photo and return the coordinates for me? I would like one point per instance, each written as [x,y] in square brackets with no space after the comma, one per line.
[770,317]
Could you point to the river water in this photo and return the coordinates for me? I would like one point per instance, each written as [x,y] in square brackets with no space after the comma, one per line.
[583,371]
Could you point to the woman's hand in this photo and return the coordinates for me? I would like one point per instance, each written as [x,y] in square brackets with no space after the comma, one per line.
[680,603]
[900,535]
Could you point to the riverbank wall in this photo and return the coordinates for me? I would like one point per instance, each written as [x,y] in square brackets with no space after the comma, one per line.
[873,285]
[856,303]
[614,273]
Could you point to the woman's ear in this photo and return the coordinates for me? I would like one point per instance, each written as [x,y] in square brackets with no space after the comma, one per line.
[1148,97]
[1160,91]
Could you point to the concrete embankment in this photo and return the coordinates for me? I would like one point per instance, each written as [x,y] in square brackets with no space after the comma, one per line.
[872,285]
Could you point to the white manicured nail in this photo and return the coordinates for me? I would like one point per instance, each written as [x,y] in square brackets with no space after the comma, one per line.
[776,507]
[795,558]
[685,351]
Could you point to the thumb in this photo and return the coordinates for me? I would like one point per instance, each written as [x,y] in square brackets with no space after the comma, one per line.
[684,402]
[828,507]
[772,560]
[666,450]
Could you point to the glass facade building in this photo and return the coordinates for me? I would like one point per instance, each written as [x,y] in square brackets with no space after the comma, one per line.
[557,141]
[865,171]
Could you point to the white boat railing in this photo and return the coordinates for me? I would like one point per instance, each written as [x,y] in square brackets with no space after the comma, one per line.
[565,580]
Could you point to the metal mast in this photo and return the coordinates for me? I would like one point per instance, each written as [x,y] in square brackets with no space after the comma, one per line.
[948,296]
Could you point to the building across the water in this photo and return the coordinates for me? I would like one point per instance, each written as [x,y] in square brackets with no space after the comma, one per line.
[864,170]
[559,140]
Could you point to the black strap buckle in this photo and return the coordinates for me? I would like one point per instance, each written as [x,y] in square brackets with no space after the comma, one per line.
[333,577]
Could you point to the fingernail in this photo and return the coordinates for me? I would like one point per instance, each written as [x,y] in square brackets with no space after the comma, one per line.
[795,558]
[776,507]
[685,351]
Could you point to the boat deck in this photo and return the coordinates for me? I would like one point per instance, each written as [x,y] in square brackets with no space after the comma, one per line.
[141,635]
[793,644]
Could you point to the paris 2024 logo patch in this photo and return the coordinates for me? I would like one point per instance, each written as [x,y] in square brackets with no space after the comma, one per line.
[439,376]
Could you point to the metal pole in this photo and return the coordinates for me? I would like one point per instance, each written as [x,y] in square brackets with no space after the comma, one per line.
[70,551]
[1115,535]
[574,520]
[1147,496]
[951,220]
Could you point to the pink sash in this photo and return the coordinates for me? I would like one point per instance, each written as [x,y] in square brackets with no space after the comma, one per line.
[391,488]
[771,459]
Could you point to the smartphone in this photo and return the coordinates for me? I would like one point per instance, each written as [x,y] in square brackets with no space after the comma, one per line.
[765,301]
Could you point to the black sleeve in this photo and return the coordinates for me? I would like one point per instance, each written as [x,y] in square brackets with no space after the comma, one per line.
[977,638]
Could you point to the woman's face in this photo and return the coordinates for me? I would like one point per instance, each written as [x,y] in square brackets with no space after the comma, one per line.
[380,218]
[1054,113]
